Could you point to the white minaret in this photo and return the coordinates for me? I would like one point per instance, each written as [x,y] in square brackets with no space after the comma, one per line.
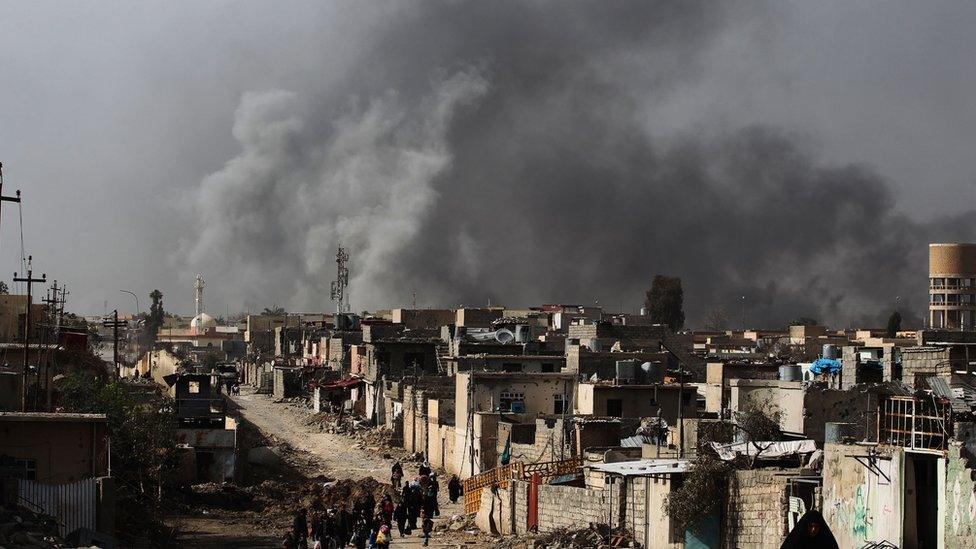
[199,292]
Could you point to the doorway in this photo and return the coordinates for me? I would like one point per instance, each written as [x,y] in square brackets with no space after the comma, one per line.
[921,501]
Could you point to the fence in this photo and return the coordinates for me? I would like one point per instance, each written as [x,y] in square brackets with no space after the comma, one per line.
[500,477]
[74,505]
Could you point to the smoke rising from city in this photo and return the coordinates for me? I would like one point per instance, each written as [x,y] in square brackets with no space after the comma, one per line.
[507,151]
[508,154]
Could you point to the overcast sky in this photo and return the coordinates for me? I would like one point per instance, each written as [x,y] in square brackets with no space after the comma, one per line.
[155,140]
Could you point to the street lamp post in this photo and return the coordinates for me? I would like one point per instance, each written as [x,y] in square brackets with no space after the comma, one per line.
[133,294]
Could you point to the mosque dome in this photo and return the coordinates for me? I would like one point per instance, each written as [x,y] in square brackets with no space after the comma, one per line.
[202,322]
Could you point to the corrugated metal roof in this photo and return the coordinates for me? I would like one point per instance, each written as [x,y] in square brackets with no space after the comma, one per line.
[941,388]
[636,441]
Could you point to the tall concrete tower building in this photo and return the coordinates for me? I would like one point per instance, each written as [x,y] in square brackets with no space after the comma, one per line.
[952,286]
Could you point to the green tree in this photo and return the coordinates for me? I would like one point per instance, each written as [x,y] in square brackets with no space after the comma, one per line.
[894,324]
[275,310]
[144,455]
[156,314]
[665,301]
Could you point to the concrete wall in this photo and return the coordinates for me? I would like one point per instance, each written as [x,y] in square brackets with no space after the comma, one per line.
[423,318]
[785,396]
[960,527]
[756,509]
[477,318]
[822,405]
[636,400]
[861,505]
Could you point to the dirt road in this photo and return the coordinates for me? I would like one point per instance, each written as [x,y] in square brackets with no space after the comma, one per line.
[337,456]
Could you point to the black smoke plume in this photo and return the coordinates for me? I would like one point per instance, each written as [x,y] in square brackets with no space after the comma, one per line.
[509,151]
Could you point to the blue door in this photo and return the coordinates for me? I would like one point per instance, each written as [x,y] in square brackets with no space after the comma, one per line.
[706,535]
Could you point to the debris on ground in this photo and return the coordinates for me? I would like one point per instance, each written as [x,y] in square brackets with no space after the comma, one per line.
[22,527]
[342,493]
[224,495]
[595,535]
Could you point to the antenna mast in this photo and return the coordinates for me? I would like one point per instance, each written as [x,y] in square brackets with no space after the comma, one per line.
[340,294]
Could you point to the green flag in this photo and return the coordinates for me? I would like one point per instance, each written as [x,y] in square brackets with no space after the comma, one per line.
[507,454]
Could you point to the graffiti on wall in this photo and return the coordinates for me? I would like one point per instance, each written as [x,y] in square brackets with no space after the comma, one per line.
[859,521]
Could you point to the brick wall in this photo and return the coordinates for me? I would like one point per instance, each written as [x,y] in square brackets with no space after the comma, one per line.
[755,513]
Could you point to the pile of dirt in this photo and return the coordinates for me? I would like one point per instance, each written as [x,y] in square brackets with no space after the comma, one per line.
[342,493]
[22,527]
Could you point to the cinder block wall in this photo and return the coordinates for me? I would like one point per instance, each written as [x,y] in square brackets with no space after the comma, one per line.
[755,514]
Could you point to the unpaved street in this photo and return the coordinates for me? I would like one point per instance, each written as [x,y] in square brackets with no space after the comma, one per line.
[337,456]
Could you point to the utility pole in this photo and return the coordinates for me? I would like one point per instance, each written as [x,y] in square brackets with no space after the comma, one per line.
[55,305]
[7,198]
[115,323]
[30,280]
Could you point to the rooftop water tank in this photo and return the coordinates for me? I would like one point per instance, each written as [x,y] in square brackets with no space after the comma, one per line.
[790,372]
[831,351]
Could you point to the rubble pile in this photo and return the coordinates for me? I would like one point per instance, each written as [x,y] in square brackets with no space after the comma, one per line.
[22,527]
[596,535]
[224,495]
[341,493]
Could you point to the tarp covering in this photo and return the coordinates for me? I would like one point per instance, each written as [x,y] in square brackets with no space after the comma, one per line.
[825,366]
[765,450]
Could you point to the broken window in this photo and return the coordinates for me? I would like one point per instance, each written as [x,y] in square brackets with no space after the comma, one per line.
[559,404]
[548,367]
[193,387]
[511,402]
[511,367]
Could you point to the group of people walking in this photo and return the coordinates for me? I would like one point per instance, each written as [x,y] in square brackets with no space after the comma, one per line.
[368,524]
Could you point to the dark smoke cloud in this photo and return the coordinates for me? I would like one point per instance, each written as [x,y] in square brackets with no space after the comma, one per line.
[510,151]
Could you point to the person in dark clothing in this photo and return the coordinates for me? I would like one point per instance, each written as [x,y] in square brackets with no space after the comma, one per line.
[299,528]
[343,527]
[318,526]
[454,489]
[400,517]
[810,532]
[435,487]
[413,507]
[396,475]
[361,536]
[428,526]
[430,501]
[424,469]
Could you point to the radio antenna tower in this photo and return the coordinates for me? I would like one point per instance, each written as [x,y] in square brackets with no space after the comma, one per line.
[340,293]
